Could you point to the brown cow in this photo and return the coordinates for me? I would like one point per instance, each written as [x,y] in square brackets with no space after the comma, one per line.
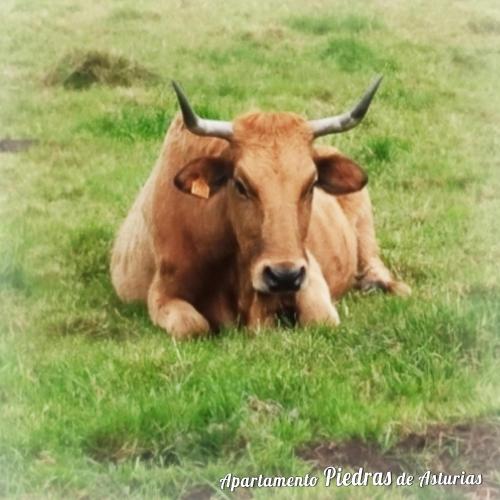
[241,221]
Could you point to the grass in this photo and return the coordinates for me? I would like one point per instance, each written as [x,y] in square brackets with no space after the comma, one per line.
[95,400]
[132,123]
[351,55]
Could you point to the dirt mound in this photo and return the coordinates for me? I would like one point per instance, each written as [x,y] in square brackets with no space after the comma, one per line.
[81,69]
[16,145]
[473,447]
[198,493]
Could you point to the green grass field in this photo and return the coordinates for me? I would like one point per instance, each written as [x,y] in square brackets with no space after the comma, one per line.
[95,401]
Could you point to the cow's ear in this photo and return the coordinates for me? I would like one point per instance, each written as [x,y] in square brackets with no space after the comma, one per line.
[203,177]
[338,174]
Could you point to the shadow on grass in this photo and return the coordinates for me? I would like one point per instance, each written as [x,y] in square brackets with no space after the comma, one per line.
[323,25]
[154,444]
[88,304]
[13,275]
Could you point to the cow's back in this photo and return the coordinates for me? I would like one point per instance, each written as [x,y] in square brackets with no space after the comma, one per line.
[132,258]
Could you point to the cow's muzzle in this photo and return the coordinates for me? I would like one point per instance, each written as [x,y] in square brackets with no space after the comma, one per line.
[281,277]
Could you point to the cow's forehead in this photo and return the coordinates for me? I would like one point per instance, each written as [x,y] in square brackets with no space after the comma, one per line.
[278,142]
[266,127]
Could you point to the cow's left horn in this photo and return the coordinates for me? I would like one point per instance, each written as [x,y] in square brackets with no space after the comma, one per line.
[201,126]
[348,120]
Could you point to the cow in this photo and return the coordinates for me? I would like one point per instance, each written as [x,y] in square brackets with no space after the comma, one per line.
[241,222]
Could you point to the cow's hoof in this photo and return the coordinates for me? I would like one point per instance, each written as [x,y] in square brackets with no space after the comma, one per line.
[184,322]
[333,318]
[399,288]
[326,315]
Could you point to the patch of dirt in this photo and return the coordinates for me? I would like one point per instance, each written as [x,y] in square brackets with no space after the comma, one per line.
[264,37]
[81,69]
[472,447]
[207,493]
[353,453]
[484,26]
[198,493]
[267,408]
[16,145]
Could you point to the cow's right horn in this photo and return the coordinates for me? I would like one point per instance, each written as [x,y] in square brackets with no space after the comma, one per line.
[347,120]
[201,126]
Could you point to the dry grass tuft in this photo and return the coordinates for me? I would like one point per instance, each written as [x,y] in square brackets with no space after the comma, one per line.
[82,69]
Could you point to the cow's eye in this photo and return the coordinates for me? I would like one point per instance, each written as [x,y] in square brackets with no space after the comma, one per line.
[240,187]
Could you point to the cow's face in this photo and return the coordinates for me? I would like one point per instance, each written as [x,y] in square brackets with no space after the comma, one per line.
[269,173]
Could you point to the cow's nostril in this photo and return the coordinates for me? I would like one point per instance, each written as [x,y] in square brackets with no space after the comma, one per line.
[281,278]
[268,271]
[270,277]
[299,278]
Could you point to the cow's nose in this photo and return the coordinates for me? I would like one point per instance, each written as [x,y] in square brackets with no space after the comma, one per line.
[284,277]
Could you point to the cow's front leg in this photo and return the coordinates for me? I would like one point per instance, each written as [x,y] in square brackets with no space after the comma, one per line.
[314,303]
[177,316]
[372,272]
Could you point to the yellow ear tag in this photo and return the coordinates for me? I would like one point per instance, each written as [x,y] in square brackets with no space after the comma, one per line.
[200,188]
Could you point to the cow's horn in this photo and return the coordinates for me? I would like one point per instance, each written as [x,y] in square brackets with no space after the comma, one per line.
[201,126]
[348,120]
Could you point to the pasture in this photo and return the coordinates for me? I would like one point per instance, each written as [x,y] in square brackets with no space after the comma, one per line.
[96,402]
